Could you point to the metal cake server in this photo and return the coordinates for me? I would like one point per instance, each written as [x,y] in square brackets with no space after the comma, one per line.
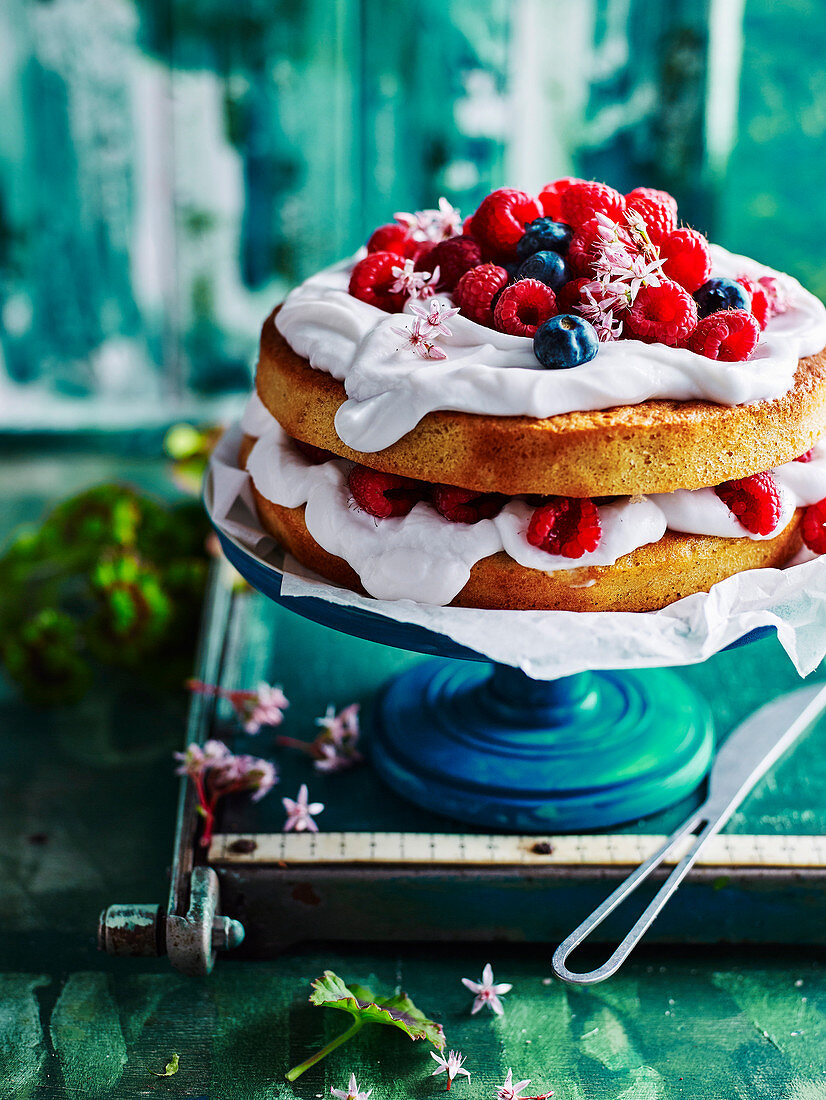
[746,755]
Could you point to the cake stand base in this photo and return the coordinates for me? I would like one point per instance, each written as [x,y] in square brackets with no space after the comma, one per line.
[490,746]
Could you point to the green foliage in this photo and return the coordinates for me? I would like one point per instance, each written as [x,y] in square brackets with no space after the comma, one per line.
[110,576]
[172,1067]
[43,656]
[396,1010]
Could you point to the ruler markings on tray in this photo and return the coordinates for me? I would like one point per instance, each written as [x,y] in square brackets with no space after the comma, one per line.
[452,850]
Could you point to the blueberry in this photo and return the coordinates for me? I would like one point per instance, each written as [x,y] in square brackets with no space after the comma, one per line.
[512,267]
[719,294]
[547,267]
[565,341]
[545,235]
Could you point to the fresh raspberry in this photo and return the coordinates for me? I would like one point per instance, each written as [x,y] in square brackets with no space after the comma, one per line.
[581,250]
[466,505]
[371,279]
[392,238]
[500,221]
[686,257]
[657,208]
[384,495]
[775,294]
[551,193]
[807,456]
[453,258]
[730,335]
[664,314]
[569,296]
[316,455]
[581,201]
[522,307]
[813,527]
[755,501]
[759,299]
[476,292]
[421,250]
[569,526]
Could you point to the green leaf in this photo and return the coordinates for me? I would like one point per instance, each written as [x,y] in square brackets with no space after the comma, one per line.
[397,1010]
[171,1067]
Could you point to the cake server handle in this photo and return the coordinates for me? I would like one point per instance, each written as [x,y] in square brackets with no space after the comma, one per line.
[745,757]
[581,933]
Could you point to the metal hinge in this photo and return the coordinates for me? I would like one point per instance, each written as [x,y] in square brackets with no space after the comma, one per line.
[191,941]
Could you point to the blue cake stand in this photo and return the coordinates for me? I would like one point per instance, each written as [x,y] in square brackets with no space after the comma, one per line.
[486,744]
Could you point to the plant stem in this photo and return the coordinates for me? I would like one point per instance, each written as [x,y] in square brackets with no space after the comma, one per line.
[296,1071]
[295,743]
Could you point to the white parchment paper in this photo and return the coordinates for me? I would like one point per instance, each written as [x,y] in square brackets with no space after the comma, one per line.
[548,644]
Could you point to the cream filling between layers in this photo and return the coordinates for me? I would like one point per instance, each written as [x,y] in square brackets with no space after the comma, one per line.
[390,389]
[424,557]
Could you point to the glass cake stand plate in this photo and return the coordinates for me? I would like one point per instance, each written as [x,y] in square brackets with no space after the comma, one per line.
[486,744]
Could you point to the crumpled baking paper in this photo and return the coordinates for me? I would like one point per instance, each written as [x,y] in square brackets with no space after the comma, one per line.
[549,644]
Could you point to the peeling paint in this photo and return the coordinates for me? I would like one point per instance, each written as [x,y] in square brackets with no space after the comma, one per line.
[87,1036]
[22,1047]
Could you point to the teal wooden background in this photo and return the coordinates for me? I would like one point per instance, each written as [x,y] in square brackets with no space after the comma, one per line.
[168,168]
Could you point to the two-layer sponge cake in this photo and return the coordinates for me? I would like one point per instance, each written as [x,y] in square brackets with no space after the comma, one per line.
[567,402]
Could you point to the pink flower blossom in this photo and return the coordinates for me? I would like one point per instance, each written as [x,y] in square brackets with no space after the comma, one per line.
[511,1091]
[598,308]
[352,1092]
[335,747]
[435,316]
[417,335]
[266,709]
[254,709]
[626,258]
[300,812]
[245,773]
[452,1065]
[416,284]
[432,225]
[337,743]
[486,992]
[216,772]
[638,232]
[196,760]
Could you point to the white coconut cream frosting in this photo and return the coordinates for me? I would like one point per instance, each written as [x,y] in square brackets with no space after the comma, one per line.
[390,389]
[424,557]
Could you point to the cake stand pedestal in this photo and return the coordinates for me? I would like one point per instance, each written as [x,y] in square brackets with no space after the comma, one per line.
[489,745]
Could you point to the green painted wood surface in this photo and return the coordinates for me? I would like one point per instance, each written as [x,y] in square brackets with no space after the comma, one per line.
[666,1028]
[168,168]
[83,825]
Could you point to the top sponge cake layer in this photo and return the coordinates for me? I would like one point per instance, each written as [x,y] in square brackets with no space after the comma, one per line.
[654,447]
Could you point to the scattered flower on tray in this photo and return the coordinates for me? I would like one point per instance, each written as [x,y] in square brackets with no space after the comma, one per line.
[300,812]
[335,747]
[352,1092]
[487,993]
[511,1091]
[396,1010]
[452,1065]
[338,740]
[262,707]
[216,772]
